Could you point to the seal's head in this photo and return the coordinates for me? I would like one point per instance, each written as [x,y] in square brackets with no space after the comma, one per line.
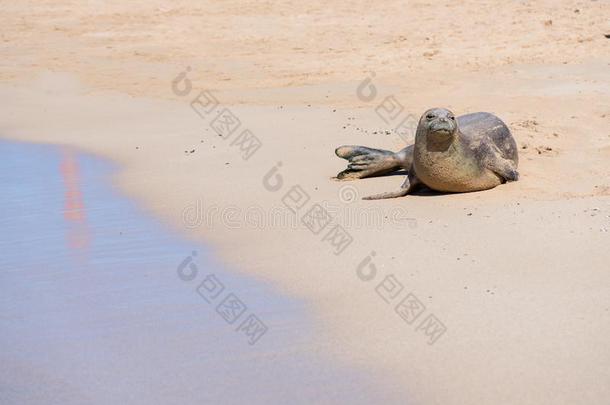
[439,123]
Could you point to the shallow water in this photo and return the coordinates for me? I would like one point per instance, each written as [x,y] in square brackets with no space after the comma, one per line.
[92,308]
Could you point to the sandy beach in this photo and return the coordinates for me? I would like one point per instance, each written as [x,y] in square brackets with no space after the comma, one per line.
[511,283]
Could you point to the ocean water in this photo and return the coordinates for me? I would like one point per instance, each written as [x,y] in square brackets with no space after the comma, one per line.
[100,303]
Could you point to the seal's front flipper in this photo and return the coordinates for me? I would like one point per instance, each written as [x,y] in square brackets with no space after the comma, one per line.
[410,183]
[366,162]
[390,194]
[504,168]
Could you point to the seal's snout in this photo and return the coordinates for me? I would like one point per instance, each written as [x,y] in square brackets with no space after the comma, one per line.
[442,125]
[440,120]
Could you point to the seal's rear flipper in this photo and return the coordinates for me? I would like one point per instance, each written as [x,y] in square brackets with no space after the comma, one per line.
[351,151]
[348,174]
[366,162]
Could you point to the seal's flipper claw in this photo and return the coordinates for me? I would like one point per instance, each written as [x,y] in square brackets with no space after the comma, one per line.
[511,175]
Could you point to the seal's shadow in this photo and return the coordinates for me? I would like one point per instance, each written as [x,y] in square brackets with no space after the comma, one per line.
[424,191]
[421,191]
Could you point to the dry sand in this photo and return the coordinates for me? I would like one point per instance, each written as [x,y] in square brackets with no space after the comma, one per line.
[518,275]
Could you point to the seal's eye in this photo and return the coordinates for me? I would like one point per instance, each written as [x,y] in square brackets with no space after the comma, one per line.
[430,116]
[452,118]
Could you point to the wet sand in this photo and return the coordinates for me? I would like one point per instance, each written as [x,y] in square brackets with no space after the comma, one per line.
[101,304]
[517,276]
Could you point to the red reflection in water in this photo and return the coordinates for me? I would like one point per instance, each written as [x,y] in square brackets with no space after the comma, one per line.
[74,208]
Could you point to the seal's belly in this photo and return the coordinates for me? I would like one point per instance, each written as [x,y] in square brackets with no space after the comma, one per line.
[454,175]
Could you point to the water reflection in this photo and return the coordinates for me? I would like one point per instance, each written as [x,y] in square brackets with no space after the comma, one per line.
[92,310]
[74,209]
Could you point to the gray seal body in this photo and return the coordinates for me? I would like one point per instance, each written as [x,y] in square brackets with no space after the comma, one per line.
[472,152]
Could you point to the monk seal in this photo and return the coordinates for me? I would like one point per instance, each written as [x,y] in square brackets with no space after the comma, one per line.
[472,152]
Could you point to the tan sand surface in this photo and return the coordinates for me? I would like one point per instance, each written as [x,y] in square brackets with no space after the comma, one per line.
[518,275]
